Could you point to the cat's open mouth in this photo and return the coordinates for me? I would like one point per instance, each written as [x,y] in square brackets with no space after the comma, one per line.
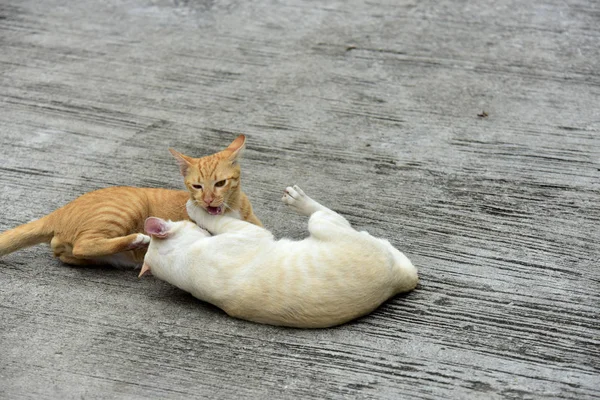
[215,210]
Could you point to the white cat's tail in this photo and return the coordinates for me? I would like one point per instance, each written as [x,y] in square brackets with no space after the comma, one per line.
[38,231]
[407,273]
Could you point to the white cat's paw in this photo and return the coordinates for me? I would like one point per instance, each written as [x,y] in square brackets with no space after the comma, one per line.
[140,241]
[295,198]
[292,196]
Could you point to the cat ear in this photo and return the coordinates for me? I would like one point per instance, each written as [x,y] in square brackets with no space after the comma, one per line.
[145,270]
[156,227]
[236,147]
[183,161]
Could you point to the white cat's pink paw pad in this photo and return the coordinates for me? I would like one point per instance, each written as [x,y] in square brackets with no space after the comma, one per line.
[295,198]
[291,196]
[140,241]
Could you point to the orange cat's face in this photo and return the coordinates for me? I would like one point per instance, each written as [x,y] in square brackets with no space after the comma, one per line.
[213,181]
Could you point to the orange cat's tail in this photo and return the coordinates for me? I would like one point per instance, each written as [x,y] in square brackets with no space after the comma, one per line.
[26,235]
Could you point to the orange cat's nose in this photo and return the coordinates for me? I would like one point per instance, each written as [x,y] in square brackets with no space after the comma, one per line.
[208,200]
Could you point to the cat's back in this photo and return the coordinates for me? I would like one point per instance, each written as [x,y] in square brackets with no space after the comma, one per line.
[127,198]
[120,208]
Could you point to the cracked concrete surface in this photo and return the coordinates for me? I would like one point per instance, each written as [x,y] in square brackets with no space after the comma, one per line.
[377,110]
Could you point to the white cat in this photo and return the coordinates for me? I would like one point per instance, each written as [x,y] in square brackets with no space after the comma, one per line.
[333,276]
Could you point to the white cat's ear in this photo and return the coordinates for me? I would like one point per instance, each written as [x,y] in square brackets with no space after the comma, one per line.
[145,270]
[236,147]
[183,161]
[156,227]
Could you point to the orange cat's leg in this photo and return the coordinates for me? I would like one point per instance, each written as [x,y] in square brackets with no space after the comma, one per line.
[253,220]
[57,246]
[94,246]
[62,250]
[73,261]
[246,211]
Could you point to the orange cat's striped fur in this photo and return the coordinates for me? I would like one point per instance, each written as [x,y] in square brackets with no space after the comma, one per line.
[104,226]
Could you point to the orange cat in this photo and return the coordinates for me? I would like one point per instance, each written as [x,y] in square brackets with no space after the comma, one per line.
[103,226]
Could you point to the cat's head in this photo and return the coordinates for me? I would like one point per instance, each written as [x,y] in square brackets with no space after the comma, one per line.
[213,181]
[168,237]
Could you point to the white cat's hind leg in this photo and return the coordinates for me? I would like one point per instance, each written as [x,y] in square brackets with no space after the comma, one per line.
[297,200]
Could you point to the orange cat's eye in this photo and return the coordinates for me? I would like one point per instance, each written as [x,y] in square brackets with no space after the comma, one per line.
[221,183]
[199,187]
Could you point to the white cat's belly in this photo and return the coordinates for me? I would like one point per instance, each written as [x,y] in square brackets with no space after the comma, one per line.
[311,284]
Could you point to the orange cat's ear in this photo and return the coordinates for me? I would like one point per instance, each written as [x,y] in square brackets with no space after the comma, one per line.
[183,161]
[236,147]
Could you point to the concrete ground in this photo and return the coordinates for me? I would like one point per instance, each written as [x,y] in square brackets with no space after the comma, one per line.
[467,133]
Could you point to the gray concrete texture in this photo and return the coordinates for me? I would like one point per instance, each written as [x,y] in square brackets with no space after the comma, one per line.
[372,107]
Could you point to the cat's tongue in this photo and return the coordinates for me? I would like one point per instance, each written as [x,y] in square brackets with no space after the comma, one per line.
[215,210]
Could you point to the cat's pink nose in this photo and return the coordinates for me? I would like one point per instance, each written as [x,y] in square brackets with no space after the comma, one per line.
[208,201]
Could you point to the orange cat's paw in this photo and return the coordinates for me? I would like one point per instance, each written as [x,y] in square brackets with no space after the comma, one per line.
[140,241]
